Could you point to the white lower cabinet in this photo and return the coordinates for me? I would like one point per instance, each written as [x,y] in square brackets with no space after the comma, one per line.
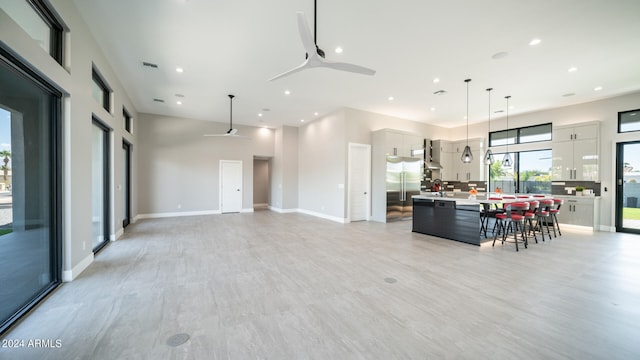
[581,211]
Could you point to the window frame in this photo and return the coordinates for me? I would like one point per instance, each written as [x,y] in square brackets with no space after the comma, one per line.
[106,90]
[620,113]
[518,136]
[128,120]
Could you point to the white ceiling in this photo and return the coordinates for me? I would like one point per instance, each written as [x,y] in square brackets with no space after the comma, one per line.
[233,47]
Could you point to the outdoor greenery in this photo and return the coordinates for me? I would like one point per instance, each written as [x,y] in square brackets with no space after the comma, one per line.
[5,231]
[631,213]
[5,155]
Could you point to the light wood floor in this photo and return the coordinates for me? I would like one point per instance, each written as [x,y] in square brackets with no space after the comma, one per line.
[291,286]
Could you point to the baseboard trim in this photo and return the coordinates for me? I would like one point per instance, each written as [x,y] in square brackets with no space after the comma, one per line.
[323,216]
[282,211]
[70,275]
[577,227]
[177,214]
[607,228]
[119,234]
[261,206]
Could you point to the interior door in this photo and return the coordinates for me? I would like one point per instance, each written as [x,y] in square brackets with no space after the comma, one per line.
[628,187]
[359,181]
[230,186]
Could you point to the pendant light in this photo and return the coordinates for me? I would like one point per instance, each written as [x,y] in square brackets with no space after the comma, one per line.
[507,162]
[488,156]
[467,157]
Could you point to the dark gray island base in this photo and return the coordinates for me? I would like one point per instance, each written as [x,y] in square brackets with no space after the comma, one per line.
[449,219]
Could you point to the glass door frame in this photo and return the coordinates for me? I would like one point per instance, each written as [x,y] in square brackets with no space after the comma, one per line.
[619,205]
[126,217]
[106,145]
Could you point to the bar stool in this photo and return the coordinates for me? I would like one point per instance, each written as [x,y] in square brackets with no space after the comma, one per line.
[543,217]
[554,215]
[523,196]
[529,216]
[515,217]
[489,212]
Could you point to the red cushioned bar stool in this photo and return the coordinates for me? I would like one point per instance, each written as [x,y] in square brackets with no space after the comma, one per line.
[557,203]
[543,217]
[529,216]
[515,223]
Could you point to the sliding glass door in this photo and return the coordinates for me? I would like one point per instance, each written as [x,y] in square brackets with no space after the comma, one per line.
[30,250]
[628,187]
[126,181]
[100,185]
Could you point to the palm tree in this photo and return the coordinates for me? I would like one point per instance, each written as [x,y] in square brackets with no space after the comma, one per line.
[5,168]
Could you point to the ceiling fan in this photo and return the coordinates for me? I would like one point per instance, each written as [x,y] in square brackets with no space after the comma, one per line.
[231,132]
[315,55]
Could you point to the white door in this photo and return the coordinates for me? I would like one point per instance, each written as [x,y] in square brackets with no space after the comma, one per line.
[359,203]
[230,186]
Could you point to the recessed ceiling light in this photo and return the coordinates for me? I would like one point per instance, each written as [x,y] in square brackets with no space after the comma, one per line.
[500,55]
[390,98]
[597,88]
[301,120]
[287,92]
[433,109]
[315,113]
[534,42]
[179,69]
[338,50]
[260,115]
[436,80]
[573,69]
[179,102]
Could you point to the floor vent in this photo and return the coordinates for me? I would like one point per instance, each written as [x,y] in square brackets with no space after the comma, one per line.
[177,339]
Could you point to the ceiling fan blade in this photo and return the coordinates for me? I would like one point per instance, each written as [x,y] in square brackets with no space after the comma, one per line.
[305,34]
[302,66]
[348,67]
[227,135]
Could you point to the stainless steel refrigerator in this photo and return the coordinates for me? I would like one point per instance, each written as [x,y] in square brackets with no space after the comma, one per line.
[403,181]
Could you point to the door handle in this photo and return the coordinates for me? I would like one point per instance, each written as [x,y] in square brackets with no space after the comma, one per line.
[619,181]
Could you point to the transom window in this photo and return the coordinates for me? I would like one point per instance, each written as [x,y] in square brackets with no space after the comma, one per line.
[37,20]
[629,121]
[100,91]
[127,120]
[521,135]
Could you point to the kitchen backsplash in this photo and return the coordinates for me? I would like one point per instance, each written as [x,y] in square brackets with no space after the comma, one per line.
[557,188]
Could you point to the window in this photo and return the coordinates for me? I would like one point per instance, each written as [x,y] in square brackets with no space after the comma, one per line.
[530,173]
[127,120]
[521,135]
[101,91]
[629,121]
[37,20]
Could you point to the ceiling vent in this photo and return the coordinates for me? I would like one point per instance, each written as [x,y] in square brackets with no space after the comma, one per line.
[158,100]
[440,92]
[148,64]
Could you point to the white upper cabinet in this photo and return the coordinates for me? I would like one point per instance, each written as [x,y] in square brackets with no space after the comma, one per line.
[575,153]
[401,144]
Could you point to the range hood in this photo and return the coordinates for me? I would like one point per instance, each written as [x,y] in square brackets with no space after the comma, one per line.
[433,165]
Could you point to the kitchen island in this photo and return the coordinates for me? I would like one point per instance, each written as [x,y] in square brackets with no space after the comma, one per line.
[450,217]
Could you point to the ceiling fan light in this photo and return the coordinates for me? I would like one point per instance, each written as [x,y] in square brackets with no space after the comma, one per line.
[467,156]
[506,161]
[488,157]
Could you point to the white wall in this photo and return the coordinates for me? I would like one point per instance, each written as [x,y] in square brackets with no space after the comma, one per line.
[261,188]
[74,80]
[179,167]
[284,170]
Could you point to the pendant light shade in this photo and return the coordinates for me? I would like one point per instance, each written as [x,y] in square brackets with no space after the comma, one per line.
[467,156]
[506,161]
[488,156]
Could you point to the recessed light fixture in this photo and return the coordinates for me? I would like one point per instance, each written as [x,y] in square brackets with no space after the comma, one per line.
[573,69]
[390,98]
[287,92]
[260,115]
[338,50]
[500,55]
[179,102]
[436,80]
[179,69]
[301,120]
[597,88]
[433,109]
[534,42]
[315,113]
